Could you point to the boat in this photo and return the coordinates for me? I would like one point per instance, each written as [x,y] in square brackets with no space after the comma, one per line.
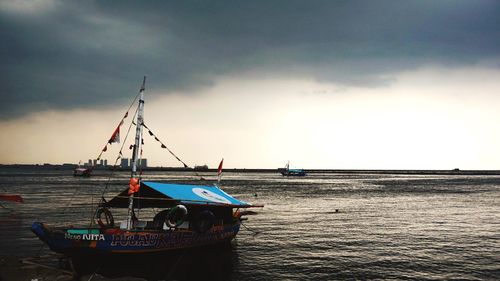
[190,216]
[201,168]
[291,172]
[82,172]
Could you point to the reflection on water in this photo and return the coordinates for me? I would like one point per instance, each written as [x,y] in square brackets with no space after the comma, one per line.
[387,226]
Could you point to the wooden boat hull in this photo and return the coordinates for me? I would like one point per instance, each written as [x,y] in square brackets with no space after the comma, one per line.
[115,252]
[113,240]
[197,263]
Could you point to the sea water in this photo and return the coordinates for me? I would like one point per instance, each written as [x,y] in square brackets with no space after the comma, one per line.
[318,227]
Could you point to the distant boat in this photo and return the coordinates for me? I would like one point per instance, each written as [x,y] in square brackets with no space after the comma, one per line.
[201,168]
[82,172]
[291,172]
[193,216]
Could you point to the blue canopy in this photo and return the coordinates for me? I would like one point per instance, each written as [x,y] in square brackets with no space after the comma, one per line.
[155,194]
[195,194]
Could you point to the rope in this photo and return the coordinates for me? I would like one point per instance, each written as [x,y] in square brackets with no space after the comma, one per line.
[113,170]
[70,200]
[95,273]
[174,266]
[251,230]
[172,153]
[119,155]
[164,146]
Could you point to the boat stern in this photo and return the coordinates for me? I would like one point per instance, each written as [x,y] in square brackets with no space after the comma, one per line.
[40,231]
[54,239]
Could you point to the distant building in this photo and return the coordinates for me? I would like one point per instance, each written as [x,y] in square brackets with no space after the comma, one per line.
[127,163]
[106,162]
[90,162]
[124,163]
[143,163]
[201,167]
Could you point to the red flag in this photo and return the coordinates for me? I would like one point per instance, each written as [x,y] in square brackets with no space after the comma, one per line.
[12,198]
[219,170]
[115,137]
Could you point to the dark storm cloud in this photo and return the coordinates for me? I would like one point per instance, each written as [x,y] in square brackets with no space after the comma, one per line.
[86,54]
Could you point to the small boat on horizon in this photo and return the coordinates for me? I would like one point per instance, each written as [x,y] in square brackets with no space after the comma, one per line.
[80,171]
[287,172]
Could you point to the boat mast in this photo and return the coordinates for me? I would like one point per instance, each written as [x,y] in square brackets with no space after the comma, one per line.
[135,153]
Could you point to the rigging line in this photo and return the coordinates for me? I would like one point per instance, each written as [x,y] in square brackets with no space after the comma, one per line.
[175,265]
[119,155]
[164,146]
[176,157]
[114,169]
[121,121]
[251,230]
[71,200]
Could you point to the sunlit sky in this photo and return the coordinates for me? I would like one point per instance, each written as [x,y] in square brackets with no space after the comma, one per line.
[322,84]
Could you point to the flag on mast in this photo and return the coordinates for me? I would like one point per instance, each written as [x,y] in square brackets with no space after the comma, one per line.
[219,170]
[115,137]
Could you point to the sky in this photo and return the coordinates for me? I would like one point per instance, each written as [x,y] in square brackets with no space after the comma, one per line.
[322,84]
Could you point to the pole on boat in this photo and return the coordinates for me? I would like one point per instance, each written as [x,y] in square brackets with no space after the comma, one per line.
[135,153]
[219,171]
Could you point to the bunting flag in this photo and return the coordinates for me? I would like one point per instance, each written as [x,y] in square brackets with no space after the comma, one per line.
[115,137]
[133,186]
[164,146]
